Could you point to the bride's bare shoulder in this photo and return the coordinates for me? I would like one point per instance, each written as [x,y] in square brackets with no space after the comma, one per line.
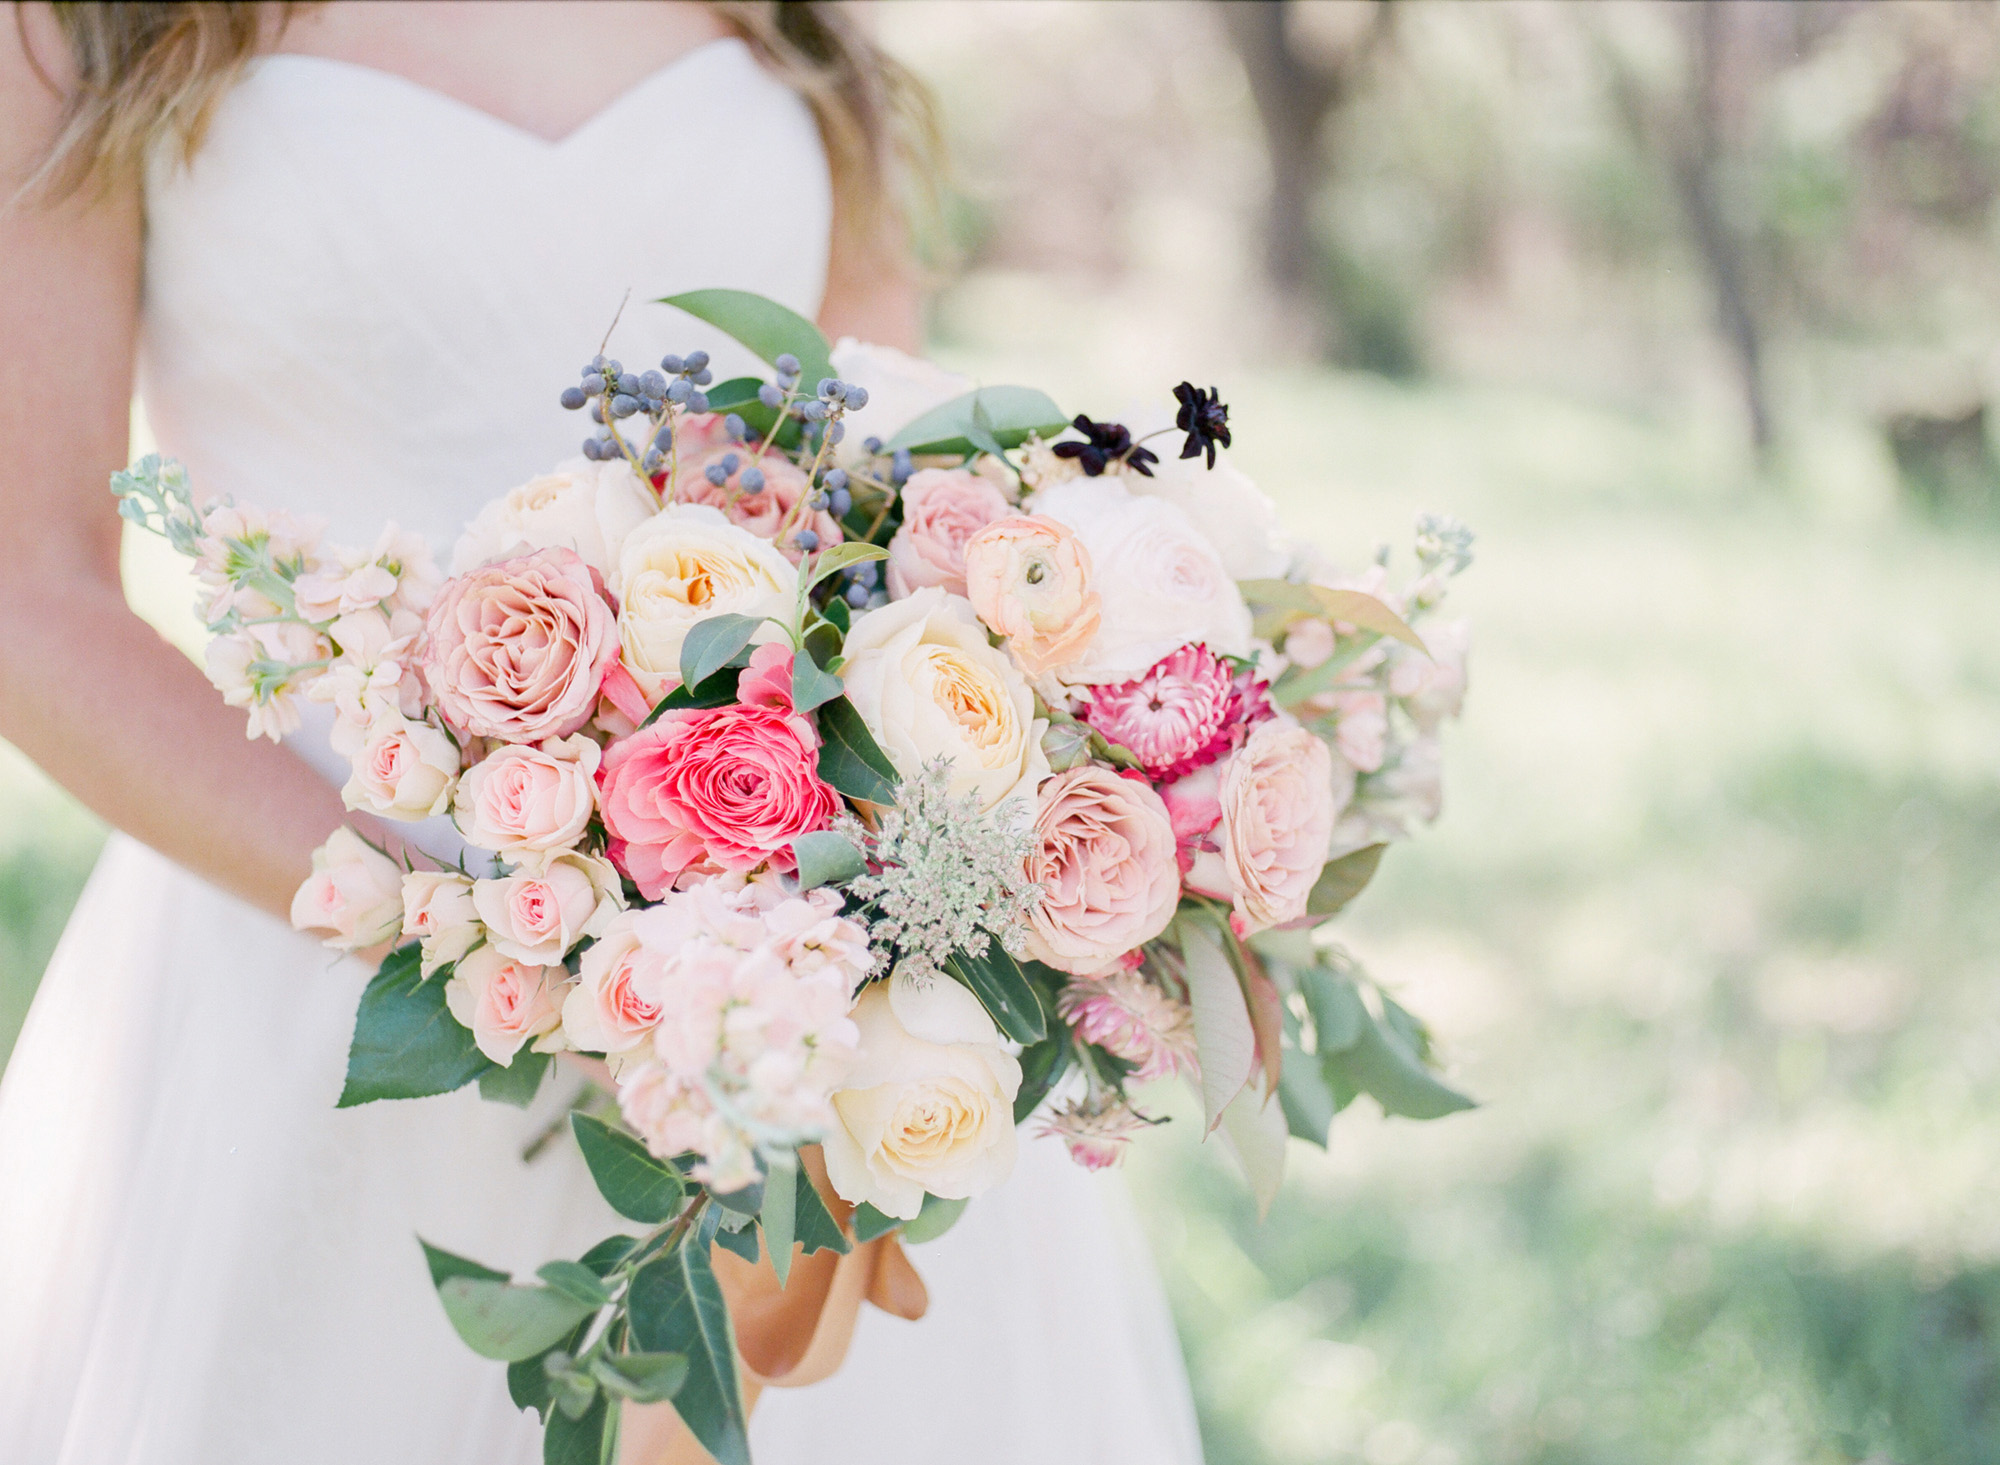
[545,66]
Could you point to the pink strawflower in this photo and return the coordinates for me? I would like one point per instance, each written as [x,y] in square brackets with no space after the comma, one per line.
[1187,711]
[722,788]
[1096,1134]
[1132,1019]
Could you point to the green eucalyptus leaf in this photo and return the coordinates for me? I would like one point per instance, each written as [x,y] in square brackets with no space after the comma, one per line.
[780,1215]
[1308,1102]
[742,1241]
[766,327]
[812,685]
[1338,1015]
[676,1307]
[632,1181]
[839,614]
[937,1217]
[734,395]
[574,1279]
[1006,416]
[407,1045]
[827,858]
[712,644]
[718,691]
[743,1203]
[870,1223]
[644,1378]
[849,757]
[1383,1066]
[589,1440]
[508,1322]
[445,1265]
[1001,985]
[1343,879]
[518,1083]
[813,1225]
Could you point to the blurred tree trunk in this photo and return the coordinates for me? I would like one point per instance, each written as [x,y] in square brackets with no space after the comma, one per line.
[1693,134]
[1295,95]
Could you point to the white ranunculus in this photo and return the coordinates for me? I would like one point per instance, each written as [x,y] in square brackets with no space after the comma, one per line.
[923,677]
[1230,511]
[927,1103]
[683,565]
[901,388]
[582,506]
[1160,582]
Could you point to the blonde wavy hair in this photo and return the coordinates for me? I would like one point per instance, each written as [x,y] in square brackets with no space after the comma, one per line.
[144,71]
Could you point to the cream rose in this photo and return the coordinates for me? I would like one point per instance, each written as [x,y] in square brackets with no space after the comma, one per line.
[1160,583]
[354,897]
[505,1002]
[536,916]
[582,506]
[529,803]
[615,1004]
[685,564]
[1103,854]
[928,1103]
[1278,812]
[438,911]
[942,509]
[403,770]
[924,679]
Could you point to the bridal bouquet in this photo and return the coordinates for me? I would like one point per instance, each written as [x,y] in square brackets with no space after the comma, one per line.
[862,766]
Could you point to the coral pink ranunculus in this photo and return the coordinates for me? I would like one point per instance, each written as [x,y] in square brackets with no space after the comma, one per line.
[518,648]
[763,511]
[1187,710]
[942,509]
[1104,856]
[728,787]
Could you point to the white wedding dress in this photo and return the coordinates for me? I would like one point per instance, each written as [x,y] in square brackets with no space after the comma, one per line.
[361,302]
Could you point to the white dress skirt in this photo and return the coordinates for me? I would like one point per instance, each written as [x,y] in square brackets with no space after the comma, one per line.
[361,301]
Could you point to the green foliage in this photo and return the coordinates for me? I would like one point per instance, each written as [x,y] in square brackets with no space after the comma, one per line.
[1005,417]
[813,1226]
[519,1082]
[632,1182]
[779,1218]
[407,1045]
[1001,984]
[676,1307]
[937,1217]
[765,326]
[849,757]
[870,1223]
[712,644]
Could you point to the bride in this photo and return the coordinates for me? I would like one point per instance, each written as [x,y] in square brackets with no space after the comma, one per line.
[351,253]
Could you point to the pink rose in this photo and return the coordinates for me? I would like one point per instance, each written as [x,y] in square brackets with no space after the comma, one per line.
[438,911]
[1186,711]
[527,803]
[1278,811]
[538,916]
[942,509]
[518,649]
[615,1004]
[1104,857]
[726,787]
[354,897]
[505,1002]
[403,770]
[1028,577]
[762,511]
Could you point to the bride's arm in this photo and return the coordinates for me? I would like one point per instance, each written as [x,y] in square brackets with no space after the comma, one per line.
[87,689]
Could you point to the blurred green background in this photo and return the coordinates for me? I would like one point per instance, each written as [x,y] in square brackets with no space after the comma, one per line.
[1689,309]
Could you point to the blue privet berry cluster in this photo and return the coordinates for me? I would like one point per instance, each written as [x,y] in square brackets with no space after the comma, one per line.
[615,394]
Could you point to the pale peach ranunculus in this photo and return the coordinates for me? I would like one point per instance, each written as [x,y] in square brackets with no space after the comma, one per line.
[682,566]
[538,915]
[527,804]
[616,1002]
[1029,578]
[403,770]
[942,509]
[928,685]
[927,1104]
[1103,854]
[504,1001]
[354,897]
[581,506]
[764,511]
[518,649]
[438,911]
[1278,810]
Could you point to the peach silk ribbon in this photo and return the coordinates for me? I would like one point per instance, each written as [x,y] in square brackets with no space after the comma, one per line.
[791,1335]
